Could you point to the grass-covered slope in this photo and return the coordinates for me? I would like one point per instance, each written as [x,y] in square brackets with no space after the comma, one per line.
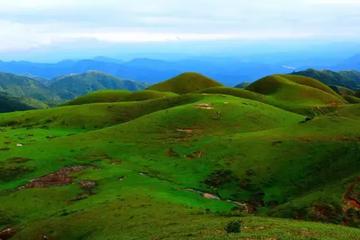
[107,96]
[296,92]
[25,87]
[348,79]
[185,83]
[100,96]
[89,116]
[11,104]
[74,85]
[348,94]
[181,167]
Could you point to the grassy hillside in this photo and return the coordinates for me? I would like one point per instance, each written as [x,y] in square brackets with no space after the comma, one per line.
[348,94]
[296,93]
[348,79]
[242,85]
[11,104]
[185,83]
[184,167]
[89,116]
[25,87]
[74,85]
[107,96]
[101,96]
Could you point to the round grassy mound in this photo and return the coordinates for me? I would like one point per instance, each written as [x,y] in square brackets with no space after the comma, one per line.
[109,96]
[148,94]
[237,92]
[185,83]
[101,96]
[296,90]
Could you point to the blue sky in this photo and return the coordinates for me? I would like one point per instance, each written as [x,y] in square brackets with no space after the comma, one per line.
[28,26]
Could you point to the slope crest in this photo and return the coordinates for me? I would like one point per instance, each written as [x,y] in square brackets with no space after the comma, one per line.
[186,83]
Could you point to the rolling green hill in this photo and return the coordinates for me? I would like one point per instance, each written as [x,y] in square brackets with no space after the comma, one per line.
[107,96]
[185,83]
[64,88]
[25,87]
[296,93]
[348,79]
[74,85]
[145,165]
[101,96]
[242,85]
[11,104]
[348,94]
[90,116]
[242,93]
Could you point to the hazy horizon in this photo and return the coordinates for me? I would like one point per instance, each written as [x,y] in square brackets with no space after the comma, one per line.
[48,31]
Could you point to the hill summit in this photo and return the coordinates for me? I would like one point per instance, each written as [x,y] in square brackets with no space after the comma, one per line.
[348,79]
[74,85]
[298,90]
[186,83]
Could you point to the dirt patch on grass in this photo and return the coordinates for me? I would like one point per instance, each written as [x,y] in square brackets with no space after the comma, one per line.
[7,233]
[88,187]
[194,155]
[184,134]
[171,153]
[352,195]
[59,178]
[325,212]
[351,204]
[204,106]
[210,196]
[185,130]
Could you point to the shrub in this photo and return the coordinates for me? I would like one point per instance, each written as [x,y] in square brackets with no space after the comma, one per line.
[233,227]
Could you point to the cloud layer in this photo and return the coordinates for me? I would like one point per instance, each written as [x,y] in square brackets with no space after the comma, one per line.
[29,24]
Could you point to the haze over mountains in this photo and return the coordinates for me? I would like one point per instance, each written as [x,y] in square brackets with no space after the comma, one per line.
[39,92]
[229,70]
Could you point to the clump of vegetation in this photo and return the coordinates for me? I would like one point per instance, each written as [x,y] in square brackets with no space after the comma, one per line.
[13,168]
[220,178]
[233,227]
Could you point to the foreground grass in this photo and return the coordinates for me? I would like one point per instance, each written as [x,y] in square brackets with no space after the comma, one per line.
[150,170]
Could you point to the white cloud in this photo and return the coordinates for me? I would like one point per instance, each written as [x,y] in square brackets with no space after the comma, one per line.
[26,24]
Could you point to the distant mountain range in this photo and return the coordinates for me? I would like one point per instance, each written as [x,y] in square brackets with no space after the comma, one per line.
[74,85]
[349,64]
[35,93]
[227,70]
[39,92]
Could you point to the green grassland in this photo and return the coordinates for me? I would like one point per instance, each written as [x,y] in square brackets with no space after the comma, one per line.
[185,83]
[167,166]
[107,96]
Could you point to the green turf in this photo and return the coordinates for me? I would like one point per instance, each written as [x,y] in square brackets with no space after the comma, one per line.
[185,83]
[108,96]
[155,163]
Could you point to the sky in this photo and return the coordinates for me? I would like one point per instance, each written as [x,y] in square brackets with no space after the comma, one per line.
[31,28]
